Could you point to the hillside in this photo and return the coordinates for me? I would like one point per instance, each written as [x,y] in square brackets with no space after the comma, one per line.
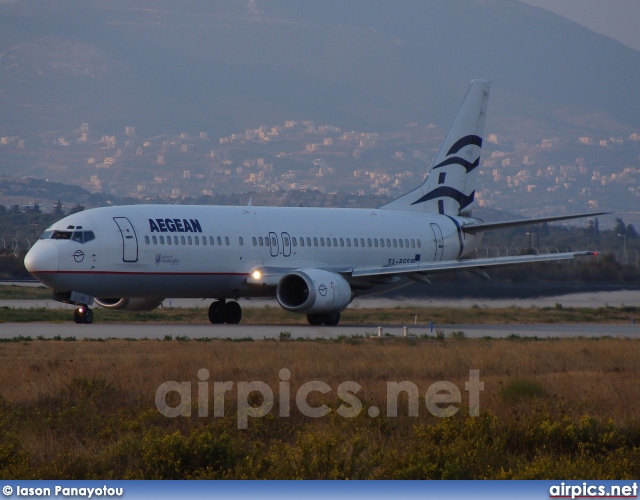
[166,66]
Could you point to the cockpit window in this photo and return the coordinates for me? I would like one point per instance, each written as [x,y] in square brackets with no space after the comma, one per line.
[77,236]
[61,235]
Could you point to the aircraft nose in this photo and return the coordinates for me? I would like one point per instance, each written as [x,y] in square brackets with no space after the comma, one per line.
[42,257]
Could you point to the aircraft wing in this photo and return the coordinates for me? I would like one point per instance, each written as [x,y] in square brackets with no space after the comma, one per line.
[458,265]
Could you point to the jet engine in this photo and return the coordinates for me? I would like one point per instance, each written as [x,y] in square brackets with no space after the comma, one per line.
[313,291]
[127,304]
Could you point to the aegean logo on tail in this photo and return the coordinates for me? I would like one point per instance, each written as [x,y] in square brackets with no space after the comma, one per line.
[447,191]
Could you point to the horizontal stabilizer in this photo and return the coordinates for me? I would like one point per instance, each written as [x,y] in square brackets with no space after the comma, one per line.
[488,226]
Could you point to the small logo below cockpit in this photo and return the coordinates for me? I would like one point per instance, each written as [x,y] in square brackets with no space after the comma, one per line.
[78,256]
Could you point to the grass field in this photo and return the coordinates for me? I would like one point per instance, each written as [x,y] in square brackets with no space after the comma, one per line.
[549,409]
[21,292]
[380,316]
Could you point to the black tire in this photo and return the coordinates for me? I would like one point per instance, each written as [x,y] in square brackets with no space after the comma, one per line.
[331,319]
[77,318]
[315,319]
[232,313]
[216,312]
[87,316]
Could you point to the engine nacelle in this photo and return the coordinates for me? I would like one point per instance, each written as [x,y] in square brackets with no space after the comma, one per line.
[313,291]
[127,304]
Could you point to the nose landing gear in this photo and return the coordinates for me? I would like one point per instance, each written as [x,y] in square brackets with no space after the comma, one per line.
[221,311]
[83,315]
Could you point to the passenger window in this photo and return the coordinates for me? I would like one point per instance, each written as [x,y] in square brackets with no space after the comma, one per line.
[419,244]
[315,242]
[355,242]
[321,242]
[309,242]
[369,242]
[294,241]
[175,240]
[335,242]
[375,242]
[162,240]
[146,240]
[274,243]
[182,240]
[197,240]
[204,240]
[241,241]
[286,241]
[168,240]
[226,240]
[155,240]
[413,243]
[219,241]
[401,244]
[261,241]
[382,242]
[341,242]
[189,240]
[254,241]
[395,243]
[349,242]
[301,241]
[388,243]
[362,242]
[211,240]
[328,242]
[406,243]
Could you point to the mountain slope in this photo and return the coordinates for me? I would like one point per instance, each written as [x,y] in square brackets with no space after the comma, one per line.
[165,66]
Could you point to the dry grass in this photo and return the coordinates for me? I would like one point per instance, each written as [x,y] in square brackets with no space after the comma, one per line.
[595,377]
[550,409]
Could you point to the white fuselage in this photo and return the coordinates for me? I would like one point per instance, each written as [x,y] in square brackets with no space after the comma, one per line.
[210,251]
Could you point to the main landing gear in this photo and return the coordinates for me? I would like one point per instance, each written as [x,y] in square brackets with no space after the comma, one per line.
[222,311]
[83,315]
[329,319]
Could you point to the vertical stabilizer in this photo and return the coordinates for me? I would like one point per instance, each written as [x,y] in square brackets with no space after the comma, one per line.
[449,187]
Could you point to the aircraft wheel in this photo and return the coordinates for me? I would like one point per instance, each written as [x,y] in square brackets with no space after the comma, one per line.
[88,316]
[83,315]
[331,319]
[232,313]
[314,319]
[216,312]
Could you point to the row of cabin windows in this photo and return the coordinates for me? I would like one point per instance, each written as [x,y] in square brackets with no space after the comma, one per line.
[342,242]
[272,241]
[189,240]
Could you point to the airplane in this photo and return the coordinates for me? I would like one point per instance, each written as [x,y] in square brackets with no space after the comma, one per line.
[314,261]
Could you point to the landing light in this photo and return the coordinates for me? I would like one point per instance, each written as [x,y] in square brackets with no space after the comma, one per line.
[256,275]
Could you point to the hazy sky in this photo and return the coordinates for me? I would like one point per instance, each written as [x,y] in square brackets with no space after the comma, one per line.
[617,19]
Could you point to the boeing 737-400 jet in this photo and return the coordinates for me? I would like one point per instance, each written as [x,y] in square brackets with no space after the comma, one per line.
[312,260]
